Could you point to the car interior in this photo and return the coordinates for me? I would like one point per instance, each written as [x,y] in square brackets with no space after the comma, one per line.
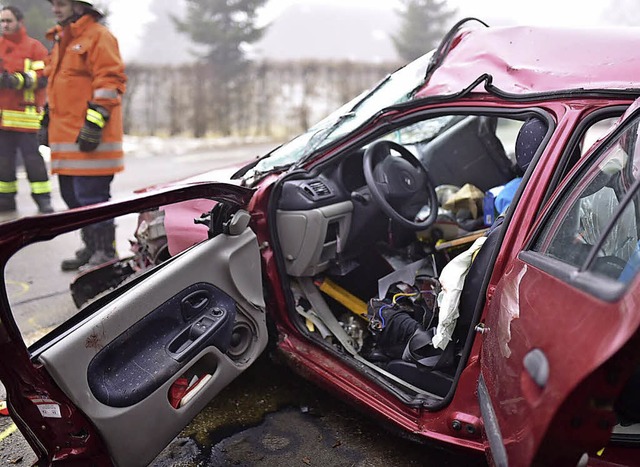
[366,286]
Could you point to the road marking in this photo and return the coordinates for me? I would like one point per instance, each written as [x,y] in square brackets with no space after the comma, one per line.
[21,285]
[8,431]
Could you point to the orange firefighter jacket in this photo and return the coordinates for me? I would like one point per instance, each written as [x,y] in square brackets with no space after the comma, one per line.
[21,109]
[84,66]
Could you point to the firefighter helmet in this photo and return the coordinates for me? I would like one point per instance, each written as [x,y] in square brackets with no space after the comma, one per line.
[89,4]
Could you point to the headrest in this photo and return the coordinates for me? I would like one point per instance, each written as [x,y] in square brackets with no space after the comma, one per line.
[529,138]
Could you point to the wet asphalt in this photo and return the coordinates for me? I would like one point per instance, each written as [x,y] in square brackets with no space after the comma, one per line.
[271,417]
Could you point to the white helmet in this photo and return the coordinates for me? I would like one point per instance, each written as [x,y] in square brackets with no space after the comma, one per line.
[90,5]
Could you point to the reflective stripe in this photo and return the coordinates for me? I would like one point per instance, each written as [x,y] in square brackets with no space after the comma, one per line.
[37,65]
[27,119]
[20,79]
[73,147]
[105,93]
[9,187]
[95,117]
[40,188]
[85,164]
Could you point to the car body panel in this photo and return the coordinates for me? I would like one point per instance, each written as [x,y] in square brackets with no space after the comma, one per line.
[566,397]
[521,321]
[528,60]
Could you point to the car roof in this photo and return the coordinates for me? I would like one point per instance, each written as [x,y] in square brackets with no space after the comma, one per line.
[532,59]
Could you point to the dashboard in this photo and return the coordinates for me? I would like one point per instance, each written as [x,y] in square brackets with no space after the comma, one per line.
[327,216]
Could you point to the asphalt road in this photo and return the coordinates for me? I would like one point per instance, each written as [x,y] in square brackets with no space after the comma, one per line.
[268,416]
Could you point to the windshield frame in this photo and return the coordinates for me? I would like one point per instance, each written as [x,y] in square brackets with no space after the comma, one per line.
[396,88]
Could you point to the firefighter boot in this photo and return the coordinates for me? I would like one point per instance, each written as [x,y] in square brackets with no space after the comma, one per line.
[7,202]
[44,203]
[82,255]
[105,246]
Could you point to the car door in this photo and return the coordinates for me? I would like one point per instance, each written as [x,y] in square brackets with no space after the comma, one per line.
[560,334]
[142,361]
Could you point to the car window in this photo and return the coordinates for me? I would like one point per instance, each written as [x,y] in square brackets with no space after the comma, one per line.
[394,89]
[46,300]
[595,226]
[597,130]
[479,149]
[620,258]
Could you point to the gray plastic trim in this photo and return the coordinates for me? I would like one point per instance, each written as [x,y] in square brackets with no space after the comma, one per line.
[135,435]
[303,237]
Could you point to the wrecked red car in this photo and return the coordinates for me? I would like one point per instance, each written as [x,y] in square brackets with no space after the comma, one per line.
[454,251]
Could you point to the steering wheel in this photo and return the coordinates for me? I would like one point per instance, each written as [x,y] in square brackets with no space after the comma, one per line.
[401,186]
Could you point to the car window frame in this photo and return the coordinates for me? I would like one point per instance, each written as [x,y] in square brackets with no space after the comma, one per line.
[583,127]
[582,277]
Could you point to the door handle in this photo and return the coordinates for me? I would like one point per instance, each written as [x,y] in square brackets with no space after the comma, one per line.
[194,303]
[537,366]
[213,328]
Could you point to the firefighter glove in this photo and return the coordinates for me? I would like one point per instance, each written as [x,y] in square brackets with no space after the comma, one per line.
[91,132]
[43,132]
[17,80]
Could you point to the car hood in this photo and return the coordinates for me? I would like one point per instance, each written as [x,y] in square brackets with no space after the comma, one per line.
[180,229]
[222,175]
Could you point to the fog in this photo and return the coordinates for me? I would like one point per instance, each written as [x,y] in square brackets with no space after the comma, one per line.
[341,29]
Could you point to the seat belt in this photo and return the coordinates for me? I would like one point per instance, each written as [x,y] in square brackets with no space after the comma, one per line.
[324,313]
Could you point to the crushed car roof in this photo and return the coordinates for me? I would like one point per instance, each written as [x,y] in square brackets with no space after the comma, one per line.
[533,60]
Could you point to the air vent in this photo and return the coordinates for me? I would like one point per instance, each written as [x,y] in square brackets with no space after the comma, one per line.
[316,190]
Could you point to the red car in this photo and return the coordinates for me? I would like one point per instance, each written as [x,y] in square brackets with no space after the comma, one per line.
[455,251]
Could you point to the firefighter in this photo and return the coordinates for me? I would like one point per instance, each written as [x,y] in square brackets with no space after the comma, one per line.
[22,99]
[83,122]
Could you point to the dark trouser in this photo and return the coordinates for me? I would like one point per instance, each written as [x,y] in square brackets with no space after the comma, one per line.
[78,191]
[27,143]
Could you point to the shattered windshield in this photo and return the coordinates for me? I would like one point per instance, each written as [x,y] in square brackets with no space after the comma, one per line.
[394,89]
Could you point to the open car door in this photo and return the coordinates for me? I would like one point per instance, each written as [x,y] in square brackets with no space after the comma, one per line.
[560,338]
[120,378]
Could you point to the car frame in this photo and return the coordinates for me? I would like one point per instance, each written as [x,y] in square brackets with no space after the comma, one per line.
[523,388]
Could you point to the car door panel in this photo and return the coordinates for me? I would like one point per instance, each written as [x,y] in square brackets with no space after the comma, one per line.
[119,366]
[530,367]
[159,344]
[561,330]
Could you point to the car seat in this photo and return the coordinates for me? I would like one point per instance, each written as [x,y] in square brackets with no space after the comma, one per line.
[472,297]
[474,154]
[437,377]
[530,135]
